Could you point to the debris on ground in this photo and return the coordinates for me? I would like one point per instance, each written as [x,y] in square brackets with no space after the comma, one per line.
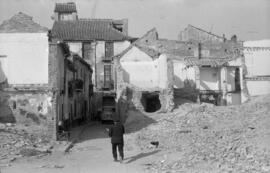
[15,143]
[206,138]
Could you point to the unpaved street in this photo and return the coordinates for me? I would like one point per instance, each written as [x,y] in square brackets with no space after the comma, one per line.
[92,153]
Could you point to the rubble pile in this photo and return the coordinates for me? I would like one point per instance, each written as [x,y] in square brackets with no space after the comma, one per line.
[205,138]
[15,143]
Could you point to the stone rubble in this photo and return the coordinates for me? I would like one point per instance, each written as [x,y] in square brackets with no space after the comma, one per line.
[206,138]
[15,143]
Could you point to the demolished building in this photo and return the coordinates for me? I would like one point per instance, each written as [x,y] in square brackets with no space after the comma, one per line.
[143,79]
[37,75]
[210,71]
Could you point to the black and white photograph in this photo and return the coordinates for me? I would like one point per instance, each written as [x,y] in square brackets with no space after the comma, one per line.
[134,86]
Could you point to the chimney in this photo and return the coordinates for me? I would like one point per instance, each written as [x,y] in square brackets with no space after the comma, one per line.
[65,11]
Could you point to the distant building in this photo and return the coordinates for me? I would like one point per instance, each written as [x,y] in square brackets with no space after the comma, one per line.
[192,33]
[96,41]
[209,71]
[257,61]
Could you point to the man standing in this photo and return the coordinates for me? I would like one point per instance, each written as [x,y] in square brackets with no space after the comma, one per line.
[116,133]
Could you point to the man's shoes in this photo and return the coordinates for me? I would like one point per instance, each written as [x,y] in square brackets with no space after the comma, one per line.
[121,160]
[115,160]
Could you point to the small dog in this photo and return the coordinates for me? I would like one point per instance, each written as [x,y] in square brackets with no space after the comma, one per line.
[155,143]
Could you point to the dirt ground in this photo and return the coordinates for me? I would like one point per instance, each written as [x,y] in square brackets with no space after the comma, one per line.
[91,154]
[193,138]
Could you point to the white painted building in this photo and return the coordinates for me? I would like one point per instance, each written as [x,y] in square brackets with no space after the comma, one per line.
[257,60]
[25,59]
[217,77]
[24,51]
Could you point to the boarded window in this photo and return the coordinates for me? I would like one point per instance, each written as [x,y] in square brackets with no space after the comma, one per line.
[108,50]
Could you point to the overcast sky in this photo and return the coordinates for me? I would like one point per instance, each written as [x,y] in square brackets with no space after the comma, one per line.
[249,19]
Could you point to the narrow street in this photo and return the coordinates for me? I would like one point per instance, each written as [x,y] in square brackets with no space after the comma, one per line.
[92,153]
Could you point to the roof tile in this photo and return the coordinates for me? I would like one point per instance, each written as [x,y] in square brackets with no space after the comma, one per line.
[88,29]
[65,7]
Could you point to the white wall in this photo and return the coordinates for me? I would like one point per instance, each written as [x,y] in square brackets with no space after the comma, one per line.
[27,57]
[256,88]
[181,74]
[142,71]
[257,60]
[231,78]
[139,69]
[3,68]
[233,98]
[163,72]
[209,79]
[75,47]
[118,47]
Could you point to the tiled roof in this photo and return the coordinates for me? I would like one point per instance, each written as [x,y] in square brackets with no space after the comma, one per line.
[21,23]
[87,29]
[65,7]
[217,62]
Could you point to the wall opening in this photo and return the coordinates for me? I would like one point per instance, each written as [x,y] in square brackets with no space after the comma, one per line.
[150,101]
[237,80]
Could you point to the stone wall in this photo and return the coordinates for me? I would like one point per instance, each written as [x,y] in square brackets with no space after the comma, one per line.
[32,109]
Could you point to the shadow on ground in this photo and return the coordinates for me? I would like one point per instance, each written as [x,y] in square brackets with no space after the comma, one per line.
[136,120]
[139,156]
[94,130]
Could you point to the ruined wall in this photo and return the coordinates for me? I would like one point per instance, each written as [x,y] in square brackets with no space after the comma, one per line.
[32,109]
[129,96]
[26,57]
[192,33]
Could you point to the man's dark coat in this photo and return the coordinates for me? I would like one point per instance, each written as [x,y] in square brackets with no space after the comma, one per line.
[116,133]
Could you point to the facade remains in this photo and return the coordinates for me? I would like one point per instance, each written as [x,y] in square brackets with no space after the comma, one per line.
[192,33]
[40,77]
[143,79]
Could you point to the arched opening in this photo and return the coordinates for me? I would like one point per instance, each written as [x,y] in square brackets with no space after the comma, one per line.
[150,101]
